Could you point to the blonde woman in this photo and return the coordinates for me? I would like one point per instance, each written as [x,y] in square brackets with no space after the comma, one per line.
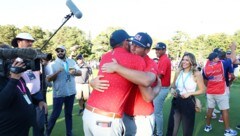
[187,83]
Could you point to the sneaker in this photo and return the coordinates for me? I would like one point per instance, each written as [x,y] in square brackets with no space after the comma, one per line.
[216,111]
[80,112]
[214,116]
[238,127]
[220,119]
[230,132]
[208,128]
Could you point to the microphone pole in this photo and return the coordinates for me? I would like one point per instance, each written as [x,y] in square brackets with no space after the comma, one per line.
[67,17]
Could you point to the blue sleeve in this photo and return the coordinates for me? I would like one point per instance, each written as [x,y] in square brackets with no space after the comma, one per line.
[227,65]
[203,74]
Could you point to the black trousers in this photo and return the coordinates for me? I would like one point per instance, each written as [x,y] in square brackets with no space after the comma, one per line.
[182,111]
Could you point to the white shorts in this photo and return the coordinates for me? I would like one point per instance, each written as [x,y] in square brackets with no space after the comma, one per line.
[83,91]
[222,101]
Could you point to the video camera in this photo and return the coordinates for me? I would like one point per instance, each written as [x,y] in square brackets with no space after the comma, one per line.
[31,58]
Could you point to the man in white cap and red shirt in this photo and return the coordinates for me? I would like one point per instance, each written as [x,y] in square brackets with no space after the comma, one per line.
[104,110]
[62,74]
[33,82]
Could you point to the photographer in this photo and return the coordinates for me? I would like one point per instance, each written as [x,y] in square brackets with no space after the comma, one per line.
[32,80]
[17,113]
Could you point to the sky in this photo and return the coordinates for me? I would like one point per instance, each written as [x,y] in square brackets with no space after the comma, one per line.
[159,18]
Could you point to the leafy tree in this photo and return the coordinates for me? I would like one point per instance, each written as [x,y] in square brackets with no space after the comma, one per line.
[101,42]
[8,32]
[178,44]
[236,37]
[71,36]
[218,40]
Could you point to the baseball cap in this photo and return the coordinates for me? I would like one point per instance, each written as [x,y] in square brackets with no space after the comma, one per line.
[212,56]
[117,37]
[217,50]
[160,46]
[79,57]
[143,40]
[60,47]
[228,52]
[24,36]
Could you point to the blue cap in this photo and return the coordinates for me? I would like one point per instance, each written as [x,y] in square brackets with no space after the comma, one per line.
[160,46]
[228,52]
[143,40]
[79,57]
[213,55]
[217,50]
[117,37]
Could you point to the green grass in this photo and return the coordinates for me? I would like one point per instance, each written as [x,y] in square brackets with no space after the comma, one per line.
[218,128]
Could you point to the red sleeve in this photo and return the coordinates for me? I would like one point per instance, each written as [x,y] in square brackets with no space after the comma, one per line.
[162,67]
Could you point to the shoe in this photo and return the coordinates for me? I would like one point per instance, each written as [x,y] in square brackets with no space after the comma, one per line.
[220,119]
[80,112]
[230,132]
[238,127]
[214,116]
[208,128]
[216,111]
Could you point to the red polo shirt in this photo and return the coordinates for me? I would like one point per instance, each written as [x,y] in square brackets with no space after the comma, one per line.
[215,74]
[136,105]
[164,68]
[113,99]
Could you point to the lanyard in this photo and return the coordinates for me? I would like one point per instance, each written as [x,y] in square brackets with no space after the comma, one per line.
[182,78]
[65,64]
[23,89]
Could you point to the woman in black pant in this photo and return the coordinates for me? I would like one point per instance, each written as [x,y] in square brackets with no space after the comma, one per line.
[187,79]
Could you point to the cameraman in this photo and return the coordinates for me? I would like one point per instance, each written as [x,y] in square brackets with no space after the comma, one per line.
[32,79]
[17,112]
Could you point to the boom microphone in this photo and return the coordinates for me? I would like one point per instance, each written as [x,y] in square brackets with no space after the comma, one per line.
[77,13]
[24,53]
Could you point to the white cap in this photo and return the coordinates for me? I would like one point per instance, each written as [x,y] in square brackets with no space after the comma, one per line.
[60,47]
[25,36]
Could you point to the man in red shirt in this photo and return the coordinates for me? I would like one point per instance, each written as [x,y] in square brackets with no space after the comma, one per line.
[104,110]
[138,118]
[215,73]
[164,73]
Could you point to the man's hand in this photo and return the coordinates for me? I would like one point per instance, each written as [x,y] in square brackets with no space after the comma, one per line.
[233,46]
[17,64]
[98,84]
[110,67]
[42,105]
[72,71]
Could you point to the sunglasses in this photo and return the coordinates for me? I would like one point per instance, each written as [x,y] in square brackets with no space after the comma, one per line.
[58,51]
[159,49]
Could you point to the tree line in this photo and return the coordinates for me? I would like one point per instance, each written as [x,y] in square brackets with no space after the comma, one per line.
[201,46]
